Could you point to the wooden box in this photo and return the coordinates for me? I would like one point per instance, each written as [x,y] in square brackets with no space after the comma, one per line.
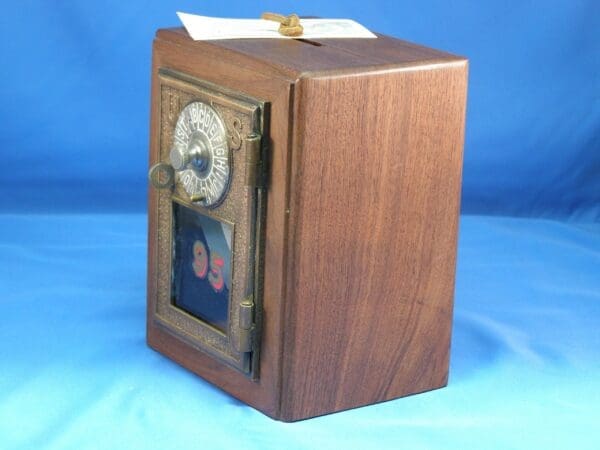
[315,271]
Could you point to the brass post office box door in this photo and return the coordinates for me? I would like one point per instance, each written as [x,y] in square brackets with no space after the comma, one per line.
[210,214]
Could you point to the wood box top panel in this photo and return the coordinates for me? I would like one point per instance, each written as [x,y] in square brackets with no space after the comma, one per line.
[297,58]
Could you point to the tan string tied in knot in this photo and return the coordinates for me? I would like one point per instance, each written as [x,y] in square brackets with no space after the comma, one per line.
[288,25]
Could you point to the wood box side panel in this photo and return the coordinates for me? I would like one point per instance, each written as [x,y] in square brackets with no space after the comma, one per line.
[373,231]
[239,73]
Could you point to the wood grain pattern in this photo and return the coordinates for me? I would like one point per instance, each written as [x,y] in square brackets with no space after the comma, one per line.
[373,236]
[295,58]
[362,214]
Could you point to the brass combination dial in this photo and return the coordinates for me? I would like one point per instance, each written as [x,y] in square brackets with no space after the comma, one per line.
[199,156]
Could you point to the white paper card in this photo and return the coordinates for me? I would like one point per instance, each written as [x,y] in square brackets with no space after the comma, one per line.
[204,28]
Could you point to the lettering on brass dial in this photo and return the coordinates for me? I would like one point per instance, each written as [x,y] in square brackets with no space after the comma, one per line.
[200,153]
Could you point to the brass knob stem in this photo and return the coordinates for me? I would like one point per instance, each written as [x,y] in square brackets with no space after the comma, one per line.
[196,152]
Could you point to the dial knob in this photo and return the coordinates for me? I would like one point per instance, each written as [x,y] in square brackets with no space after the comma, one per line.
[196,152]
[200,154]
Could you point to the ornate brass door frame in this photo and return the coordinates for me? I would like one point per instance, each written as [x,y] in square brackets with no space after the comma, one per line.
[242,209]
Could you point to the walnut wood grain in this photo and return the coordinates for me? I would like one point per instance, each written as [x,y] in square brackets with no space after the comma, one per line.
[366,142]
[373,233]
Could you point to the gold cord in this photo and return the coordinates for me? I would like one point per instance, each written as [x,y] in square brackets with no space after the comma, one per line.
[288,25]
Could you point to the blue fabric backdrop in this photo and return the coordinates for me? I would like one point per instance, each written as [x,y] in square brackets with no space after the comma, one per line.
[74,113]
[74,85]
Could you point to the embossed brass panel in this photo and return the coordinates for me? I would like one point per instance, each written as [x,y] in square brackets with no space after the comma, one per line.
[239,206]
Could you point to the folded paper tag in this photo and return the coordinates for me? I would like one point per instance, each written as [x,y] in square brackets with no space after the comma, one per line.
[203,28]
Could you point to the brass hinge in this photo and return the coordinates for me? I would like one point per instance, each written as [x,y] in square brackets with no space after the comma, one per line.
[246,324]
[254,164]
